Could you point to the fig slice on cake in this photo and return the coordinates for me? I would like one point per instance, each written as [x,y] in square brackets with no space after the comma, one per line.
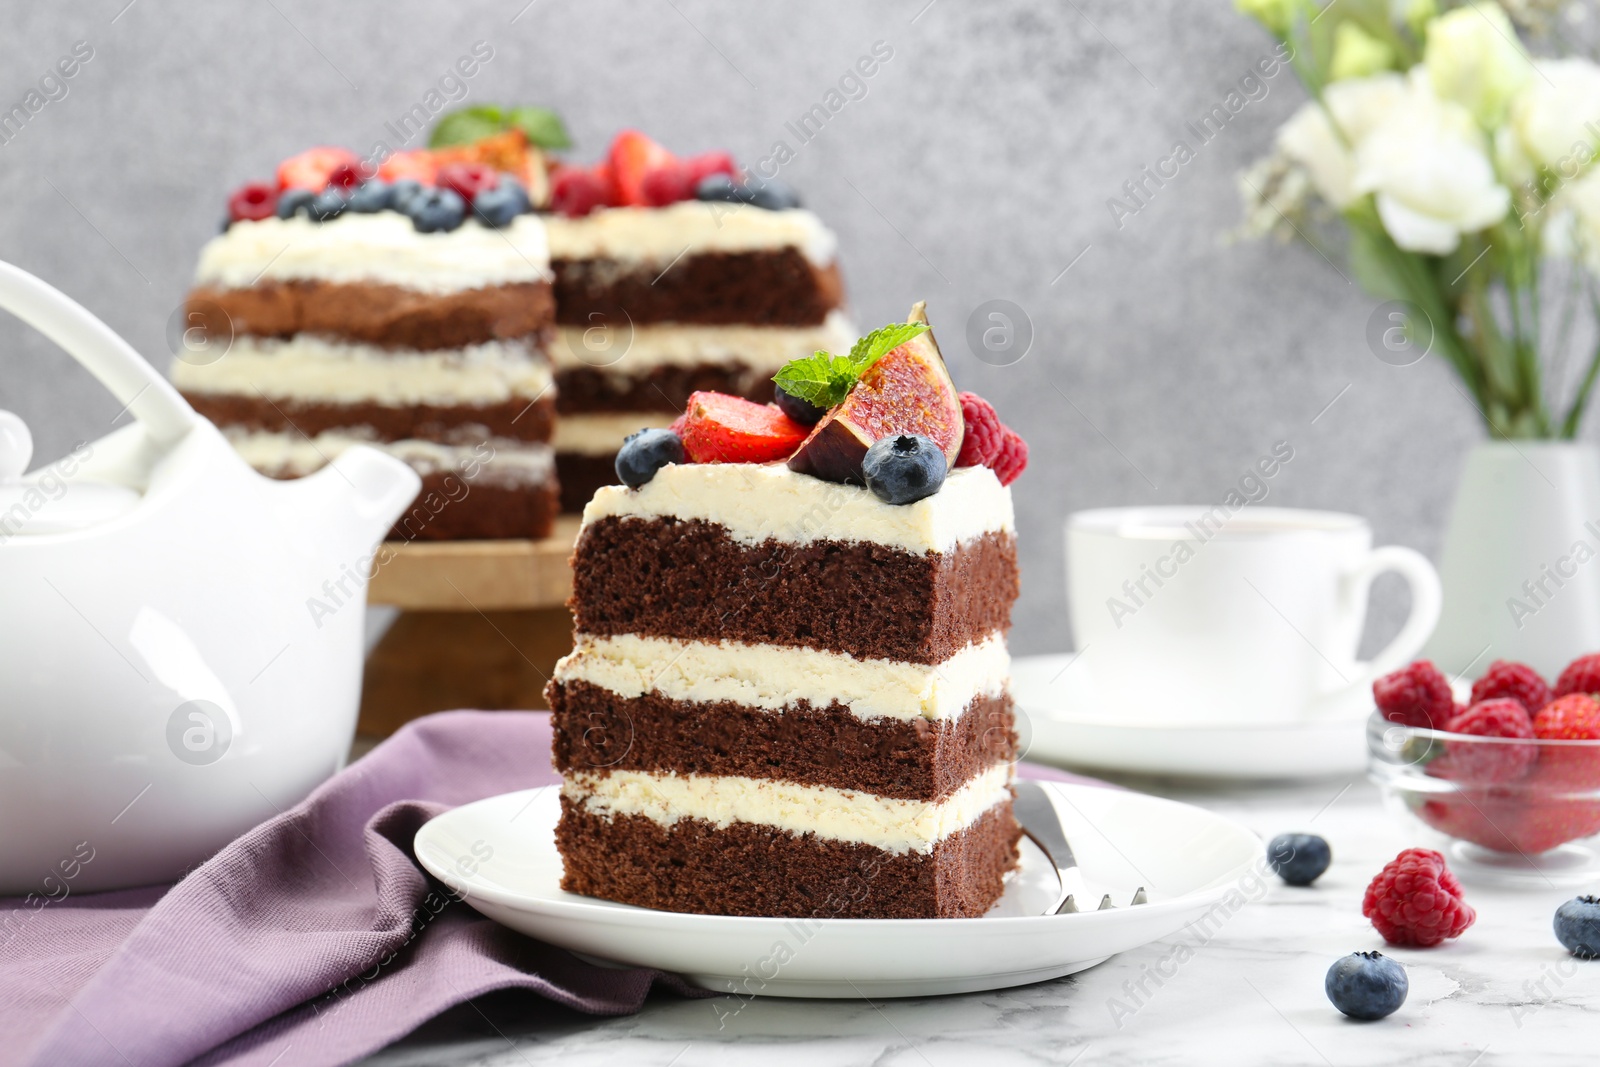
[906,390]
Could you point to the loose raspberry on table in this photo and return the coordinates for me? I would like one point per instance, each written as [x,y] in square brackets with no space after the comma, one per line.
[1013,457]
[1416,695]
[1582,675]
[1487,763]
[1415,900]
[981,442]
[1515,680]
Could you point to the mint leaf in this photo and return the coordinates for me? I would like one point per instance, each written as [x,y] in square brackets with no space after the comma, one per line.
[543,126]
[879,343]
[821,379]
[824,379]
[467,125]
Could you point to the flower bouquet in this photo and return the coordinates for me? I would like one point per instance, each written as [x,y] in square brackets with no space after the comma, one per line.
[1462,166]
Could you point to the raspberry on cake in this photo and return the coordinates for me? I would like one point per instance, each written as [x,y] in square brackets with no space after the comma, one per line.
[415,318]
[668,283]
[789,696]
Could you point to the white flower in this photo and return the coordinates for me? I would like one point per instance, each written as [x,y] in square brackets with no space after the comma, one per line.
[1555,121]
[1573,231]
[1474,58]
[1357,54]
[1427,164]
[1357,105]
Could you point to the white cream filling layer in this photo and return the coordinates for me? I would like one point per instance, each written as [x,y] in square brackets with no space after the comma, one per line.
[892,824]
[383,247]
[625,351]
[308,367]
[602,434]
[757,502]
[662,234]
[493,460]
[774,677]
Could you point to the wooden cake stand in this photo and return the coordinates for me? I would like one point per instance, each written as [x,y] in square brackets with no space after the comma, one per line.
[482,624]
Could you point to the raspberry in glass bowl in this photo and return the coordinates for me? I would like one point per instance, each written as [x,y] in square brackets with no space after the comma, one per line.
[1507,810]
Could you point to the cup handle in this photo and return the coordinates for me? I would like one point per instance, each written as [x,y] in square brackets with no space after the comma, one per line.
[1427,599]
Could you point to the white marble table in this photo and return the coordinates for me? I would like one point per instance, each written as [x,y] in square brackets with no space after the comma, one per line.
[1506,993]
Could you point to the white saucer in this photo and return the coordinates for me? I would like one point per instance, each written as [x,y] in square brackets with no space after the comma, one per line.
[1063,723]
[500,855]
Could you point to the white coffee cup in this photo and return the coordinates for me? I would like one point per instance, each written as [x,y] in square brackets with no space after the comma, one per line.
[1195,616]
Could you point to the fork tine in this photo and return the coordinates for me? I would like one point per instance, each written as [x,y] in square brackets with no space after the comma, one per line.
[1105,903]
[1139,897]
[1068,906]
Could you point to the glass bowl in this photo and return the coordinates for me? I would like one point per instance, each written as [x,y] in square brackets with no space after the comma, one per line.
[1504,811]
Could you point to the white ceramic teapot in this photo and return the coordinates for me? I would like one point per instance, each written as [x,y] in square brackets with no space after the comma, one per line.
[165,683]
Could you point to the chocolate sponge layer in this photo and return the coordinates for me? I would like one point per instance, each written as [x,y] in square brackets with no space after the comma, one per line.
[687,578]
[596,729]
[386,315]
[748,869]
[517,419]
[777,287]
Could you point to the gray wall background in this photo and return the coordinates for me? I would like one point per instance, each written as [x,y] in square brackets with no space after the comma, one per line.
[977,167]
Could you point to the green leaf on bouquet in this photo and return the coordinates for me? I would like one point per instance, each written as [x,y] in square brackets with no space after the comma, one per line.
[1372,262]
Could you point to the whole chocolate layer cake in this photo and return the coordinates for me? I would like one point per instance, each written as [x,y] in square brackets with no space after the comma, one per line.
[372,314]
[788,697]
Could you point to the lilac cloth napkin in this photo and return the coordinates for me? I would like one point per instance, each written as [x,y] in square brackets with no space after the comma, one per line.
[313,939]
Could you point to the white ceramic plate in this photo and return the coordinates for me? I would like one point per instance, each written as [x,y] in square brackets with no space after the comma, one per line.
[500,854]
[1065,724]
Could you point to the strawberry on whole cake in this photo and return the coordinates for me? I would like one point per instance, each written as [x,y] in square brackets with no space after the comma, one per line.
[789,691]
[672,276]
[405,304]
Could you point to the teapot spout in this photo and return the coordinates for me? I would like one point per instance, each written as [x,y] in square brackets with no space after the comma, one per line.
[354,500]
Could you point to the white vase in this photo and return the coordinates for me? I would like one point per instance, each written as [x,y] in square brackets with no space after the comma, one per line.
[1521,559]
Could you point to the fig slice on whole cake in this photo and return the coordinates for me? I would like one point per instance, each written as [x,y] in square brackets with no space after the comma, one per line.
[907,391]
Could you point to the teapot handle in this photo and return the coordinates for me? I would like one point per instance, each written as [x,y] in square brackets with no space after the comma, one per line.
[154,402]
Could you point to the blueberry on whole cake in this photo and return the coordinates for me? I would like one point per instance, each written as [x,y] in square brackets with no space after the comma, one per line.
[789,689]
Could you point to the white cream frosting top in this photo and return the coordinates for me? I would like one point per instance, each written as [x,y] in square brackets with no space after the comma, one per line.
[775,677]
[758,502]
[383,247]
[889,823]
[660,235]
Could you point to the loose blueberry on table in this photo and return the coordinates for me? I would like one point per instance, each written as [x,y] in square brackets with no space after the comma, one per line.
[1367,985]
[1299,859]
[1577,926]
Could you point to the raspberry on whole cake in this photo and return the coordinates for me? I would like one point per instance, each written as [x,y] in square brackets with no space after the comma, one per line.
[406,304]
[672,276]
[789,690]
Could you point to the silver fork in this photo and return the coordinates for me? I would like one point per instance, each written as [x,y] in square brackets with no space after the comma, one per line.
[1040,823]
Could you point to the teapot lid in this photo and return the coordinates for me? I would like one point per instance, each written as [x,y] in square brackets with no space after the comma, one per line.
[50,501]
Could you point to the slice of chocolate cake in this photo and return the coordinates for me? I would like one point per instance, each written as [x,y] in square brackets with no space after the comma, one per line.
[788,695]
[411,310]
[672,277]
